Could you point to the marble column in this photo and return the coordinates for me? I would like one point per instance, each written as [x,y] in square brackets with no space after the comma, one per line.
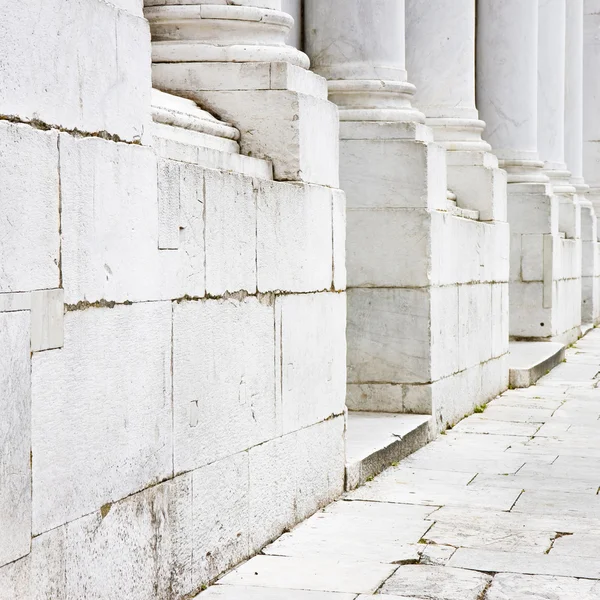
[359,47]
[420,280]
[440,58]
[520,96]
[574,93]
[591,100]
[551,93]
[590,247]
[294,8]
[507,88]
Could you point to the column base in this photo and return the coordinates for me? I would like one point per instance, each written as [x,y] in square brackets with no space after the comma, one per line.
[545,273]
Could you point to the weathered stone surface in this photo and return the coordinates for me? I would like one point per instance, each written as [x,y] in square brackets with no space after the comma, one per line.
[29,203]
[356,533]
[520,562]
[219,531]
[110,223]
[491,537]
[101,421]
[310,330]
[223,379]
[235,592]
[325,574]
[15,437]
[230,233]
[320,465]
[437,582]
[106,91]
[512,586]
[294,237]
[438,494]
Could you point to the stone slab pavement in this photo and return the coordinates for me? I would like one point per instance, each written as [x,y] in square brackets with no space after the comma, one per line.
[505,506]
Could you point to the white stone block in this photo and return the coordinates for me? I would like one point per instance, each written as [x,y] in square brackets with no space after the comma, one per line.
[273,489]
[168,204]
[515,256]
[393,173]
[219,517]
[532,257]
[230,233]
[495,255]
[294,237]
[15,437]
[532,209]
[191,255]
[528,317]
[101,411]
[128,548]
[389,247]
[223,379]
[73,80]
[379,350]
[312,353]
[29,202]
[320,465]
[47,319]
[110,224]
[297,132]
[499,319]
[478,186]
[475,324]
[339,239]
[447,328]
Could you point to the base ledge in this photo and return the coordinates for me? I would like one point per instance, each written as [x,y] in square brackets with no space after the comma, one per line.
[376,440]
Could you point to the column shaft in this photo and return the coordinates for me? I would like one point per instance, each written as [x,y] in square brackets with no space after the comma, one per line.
[574,91]
[359,46]
[507,58]
[440,58]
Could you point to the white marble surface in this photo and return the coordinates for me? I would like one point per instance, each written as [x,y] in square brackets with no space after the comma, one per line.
[15,437]
[507,56]
[574,90]
[551,82]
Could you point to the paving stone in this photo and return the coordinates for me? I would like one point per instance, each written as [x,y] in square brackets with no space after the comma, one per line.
[384,534]
[328,575]
[562,503]
[487,519]
[481,424]
[441,583]
[235,592]
[534,482]
[490,536]
[512,586]
[520,562]
[577,544]
[436,554]
[439,494]
[518,414]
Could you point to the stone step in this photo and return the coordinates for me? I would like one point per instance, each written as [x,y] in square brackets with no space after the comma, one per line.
[374,441]
[528,361]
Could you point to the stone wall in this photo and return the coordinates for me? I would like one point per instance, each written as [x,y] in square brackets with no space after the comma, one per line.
[172,325]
